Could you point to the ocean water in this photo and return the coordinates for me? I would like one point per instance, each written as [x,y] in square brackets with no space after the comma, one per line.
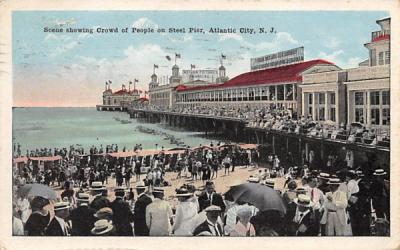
[61,127]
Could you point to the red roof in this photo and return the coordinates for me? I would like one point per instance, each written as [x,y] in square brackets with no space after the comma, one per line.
[180,87]
[121,92]
[143,99]
[380,38]
[288,73]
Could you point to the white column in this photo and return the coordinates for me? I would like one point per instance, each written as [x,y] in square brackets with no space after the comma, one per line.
[276,94]
[284,92]
[337,106]
[294,90]
[267,89]
[304,105]
[368,109]
[314,113]
[326,106]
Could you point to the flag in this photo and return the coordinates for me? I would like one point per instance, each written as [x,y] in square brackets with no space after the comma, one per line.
[136,80]
[192,66]
[123,86]
[168,58]
[223,56]
[177,55]
[155,66]
[109,81]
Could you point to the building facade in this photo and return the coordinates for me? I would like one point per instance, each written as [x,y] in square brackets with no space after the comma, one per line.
[276,87]
[121,98]
[360,95]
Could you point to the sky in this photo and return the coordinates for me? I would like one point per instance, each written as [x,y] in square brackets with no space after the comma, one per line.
[54,69]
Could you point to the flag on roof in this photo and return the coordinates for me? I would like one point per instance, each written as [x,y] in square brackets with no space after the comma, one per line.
[168,58]
[155,66]
[177,55]
[223,56]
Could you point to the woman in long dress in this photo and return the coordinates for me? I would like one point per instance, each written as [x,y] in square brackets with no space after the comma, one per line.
[186,213]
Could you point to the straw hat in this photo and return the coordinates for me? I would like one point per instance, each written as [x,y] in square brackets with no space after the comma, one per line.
[324,176]
[61,205]
[83,197]
[102,227]
[213,208]
[379,171]
[303,200]
[183,192]
[158,190]
[104,213]
[334,181]
[97,186]
[253,179]
[269,183]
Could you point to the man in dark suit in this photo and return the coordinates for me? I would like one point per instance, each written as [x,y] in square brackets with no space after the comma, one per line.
[122,214]
[58,226]
[302,221]
[210,227]
[139,215]
[210,197]
[82,217]
[380,195]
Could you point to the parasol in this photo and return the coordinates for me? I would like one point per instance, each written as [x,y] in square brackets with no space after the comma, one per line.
[32,190]
[261,196]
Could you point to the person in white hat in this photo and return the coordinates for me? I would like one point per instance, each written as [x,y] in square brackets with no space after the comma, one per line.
[334,217]
[58,226]
[210,225]
[380,195]
[82,217]
[186,213]
[243,227]
[159,215]
[139,215]
[302,221]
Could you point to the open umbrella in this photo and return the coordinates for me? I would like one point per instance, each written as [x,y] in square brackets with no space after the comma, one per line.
[262,197]
[32,190]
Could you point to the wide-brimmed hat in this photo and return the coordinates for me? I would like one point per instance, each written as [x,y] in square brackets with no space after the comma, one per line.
[83,197]
[183,192]
[334,181]
[303,200]
[61,205]
[379,171]
[97,186]
[212,208]
[244,211]
[104,212]
[324,176]
[269,183]
[102,227]
[253,179]
[158,190]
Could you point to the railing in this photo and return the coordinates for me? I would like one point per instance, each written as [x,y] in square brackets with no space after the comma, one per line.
[379,33]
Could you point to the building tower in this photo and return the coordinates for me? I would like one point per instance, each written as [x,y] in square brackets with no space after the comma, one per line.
[379,51]
[175,79]
[221,75]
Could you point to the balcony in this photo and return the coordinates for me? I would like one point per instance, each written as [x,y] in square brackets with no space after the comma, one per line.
[378,35]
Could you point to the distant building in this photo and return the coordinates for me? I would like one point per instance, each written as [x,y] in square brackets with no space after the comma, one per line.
[121,97]
[277,87]
[164,96]
[354,95]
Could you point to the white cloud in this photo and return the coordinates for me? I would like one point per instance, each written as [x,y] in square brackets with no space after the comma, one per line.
[338,57]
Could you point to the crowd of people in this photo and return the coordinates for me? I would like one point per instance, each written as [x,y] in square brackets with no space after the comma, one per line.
[280,119]
[349,202]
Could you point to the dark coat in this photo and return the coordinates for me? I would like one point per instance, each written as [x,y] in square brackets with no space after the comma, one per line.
[122,217]
[309,221]
[82,219]
[100,202]
[36,224]
[54,229]
[203,227]
[139,216]
[216,200]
